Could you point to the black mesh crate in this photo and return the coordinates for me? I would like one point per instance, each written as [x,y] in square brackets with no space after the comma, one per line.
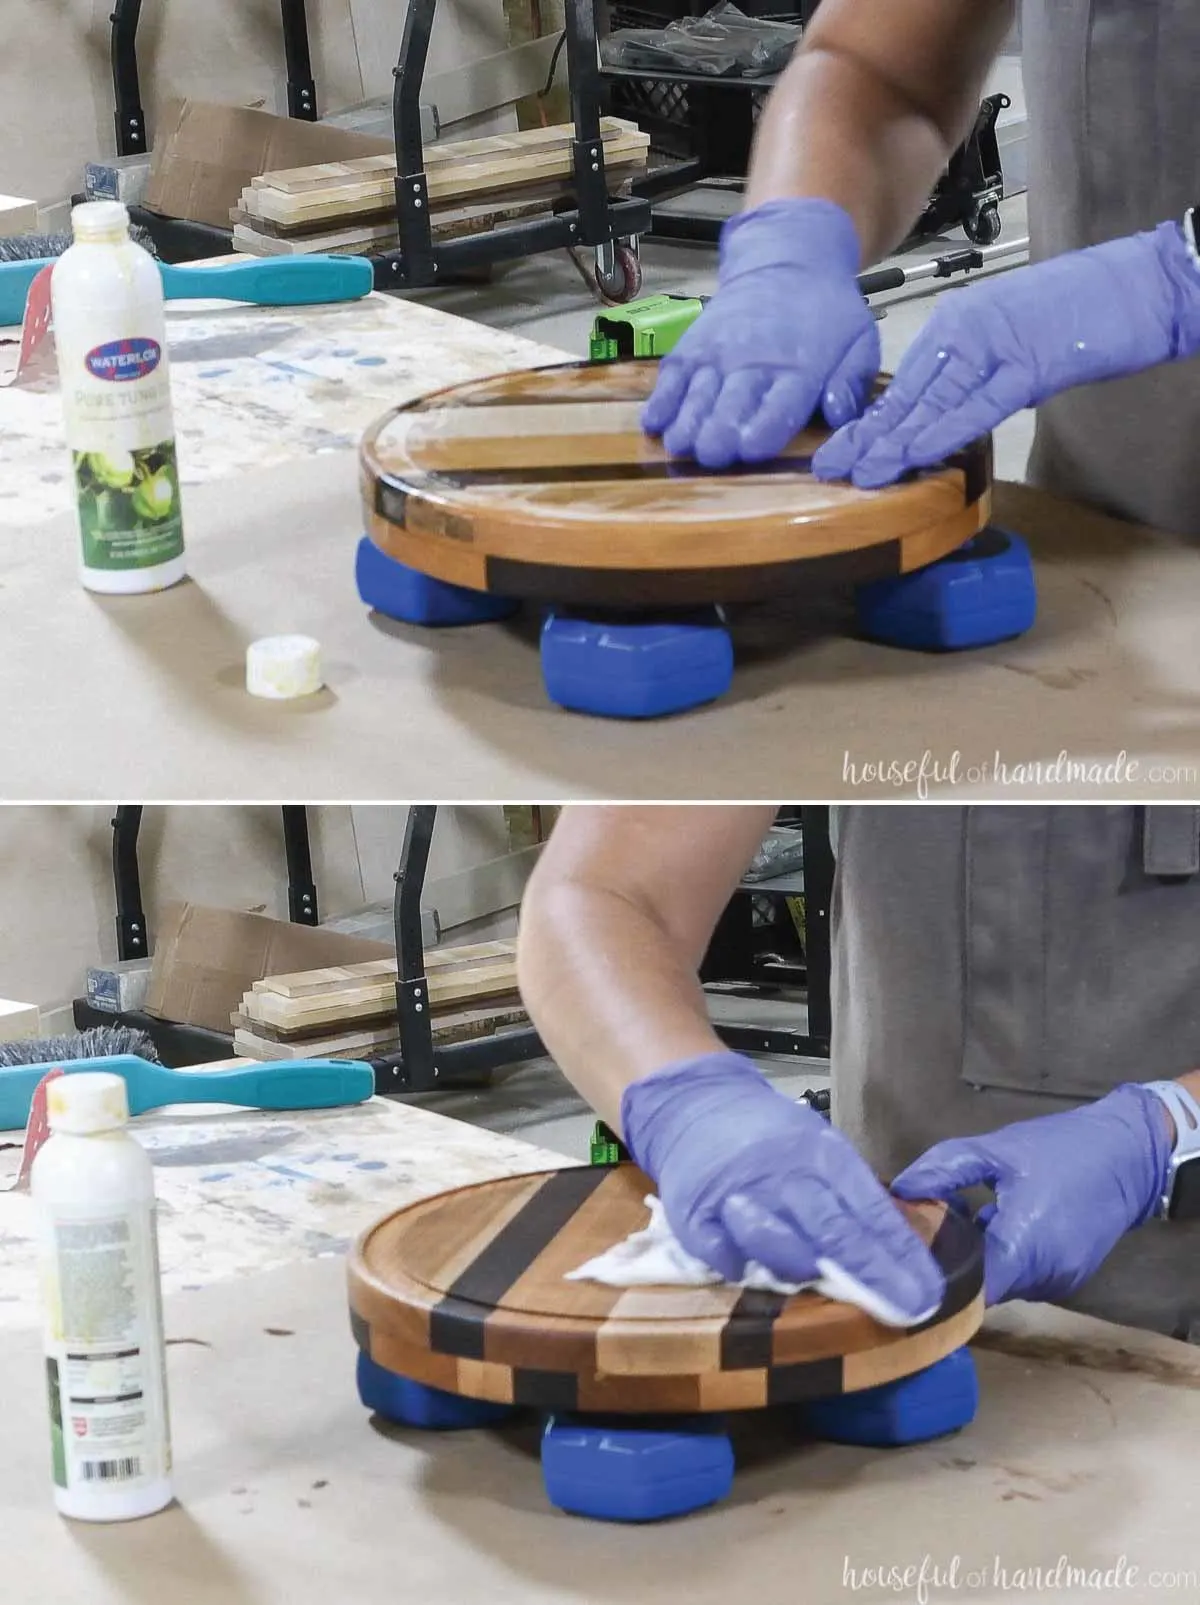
[661,106]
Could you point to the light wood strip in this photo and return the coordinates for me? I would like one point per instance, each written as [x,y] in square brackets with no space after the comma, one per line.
[300,180]
[867,1368]
[451,182]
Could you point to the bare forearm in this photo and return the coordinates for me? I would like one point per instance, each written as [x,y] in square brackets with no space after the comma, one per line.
[611,998]
[873,106]
[614,927]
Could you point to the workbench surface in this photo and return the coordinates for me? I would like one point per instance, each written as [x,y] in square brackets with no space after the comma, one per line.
[269,404]
[1083,1448]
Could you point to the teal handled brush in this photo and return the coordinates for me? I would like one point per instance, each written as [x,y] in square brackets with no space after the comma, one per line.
[288,282]
[294,1084]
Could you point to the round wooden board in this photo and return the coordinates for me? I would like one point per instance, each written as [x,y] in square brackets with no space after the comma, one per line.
[542,484]
[466,1291]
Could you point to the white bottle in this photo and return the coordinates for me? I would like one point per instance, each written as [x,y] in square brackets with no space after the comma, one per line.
[93,1187]
[110,332]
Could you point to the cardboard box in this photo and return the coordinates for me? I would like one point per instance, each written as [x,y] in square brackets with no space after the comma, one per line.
[205,958]
[205,155]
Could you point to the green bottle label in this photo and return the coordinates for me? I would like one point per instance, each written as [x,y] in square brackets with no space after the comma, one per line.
[129,507]
[58,1452]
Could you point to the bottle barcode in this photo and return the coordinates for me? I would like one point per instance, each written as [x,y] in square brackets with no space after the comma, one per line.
[111,1470]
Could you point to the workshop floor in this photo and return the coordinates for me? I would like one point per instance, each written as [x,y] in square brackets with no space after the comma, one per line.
[536,1103]
[544,299]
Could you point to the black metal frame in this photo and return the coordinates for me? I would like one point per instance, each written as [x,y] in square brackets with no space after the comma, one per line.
[968,194]
[132,940]
[130,117]
[302,889]
[818,895]
[132,935]
[597,219]
[420,1066]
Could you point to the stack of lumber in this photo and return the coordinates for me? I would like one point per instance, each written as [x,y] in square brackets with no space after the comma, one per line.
[474,185]
[349,1011]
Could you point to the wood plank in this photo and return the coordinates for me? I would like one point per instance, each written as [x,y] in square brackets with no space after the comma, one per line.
[378,998]
[252,240]
[448,183]
[442,219]
[444,960]
[372,1016]
[466,1025]
[301,180]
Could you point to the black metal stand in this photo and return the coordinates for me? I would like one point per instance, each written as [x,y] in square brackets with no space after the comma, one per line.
[596,220]
[127,883]
[816,887]
[301,90]
[302,890]
[420,1066]
[131,119]
[132,939]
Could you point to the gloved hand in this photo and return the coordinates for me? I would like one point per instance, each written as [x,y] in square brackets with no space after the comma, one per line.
[1068,1186]
[1018,339]
[746,1174]
[786,333]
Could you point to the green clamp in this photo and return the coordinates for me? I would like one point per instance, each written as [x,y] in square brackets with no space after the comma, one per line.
[606,1147]
[647,328]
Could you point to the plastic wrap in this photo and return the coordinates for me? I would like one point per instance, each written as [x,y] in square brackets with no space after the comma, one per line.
[724,43]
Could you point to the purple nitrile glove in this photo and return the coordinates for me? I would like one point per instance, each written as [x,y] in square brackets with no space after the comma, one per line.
[1068,1186]
[746,1174]
[787,333]
[1018,339]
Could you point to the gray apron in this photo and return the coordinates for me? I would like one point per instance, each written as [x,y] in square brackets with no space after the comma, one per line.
[992,964]
[1111,92]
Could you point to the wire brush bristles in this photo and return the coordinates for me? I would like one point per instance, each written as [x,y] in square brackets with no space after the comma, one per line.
[38,247]
[104,1042]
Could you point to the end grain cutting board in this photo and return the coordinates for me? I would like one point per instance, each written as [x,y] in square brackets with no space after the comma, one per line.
[542,484]
[465,1291]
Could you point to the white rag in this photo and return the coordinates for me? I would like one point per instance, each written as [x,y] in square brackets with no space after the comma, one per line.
[654,1257]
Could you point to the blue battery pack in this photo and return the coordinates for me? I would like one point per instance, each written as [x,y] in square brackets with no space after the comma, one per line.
[627,669]
[400,592]
[413,1404]
[983,593]
[913,1409]
[644,1469]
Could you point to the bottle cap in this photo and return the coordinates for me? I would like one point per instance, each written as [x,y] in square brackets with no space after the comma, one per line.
[87,1102]
[281,667]
[100,220]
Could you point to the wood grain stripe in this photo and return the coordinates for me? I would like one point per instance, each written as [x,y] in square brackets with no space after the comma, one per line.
[748,1338]
[809,1379]
[457,1322]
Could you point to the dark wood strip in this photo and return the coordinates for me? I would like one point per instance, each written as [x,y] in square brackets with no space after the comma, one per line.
[747,1336]
[438,480]
[690,587]
[976,464]
[957,1249]
[456,1323]
[546,1390]
[814,1379]
[360,1331]
[391,501]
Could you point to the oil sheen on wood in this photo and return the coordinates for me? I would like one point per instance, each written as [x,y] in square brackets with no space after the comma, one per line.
[465,1291]
[542,484]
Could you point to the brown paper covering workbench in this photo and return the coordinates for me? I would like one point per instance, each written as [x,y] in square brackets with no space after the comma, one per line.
[1083,1448]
